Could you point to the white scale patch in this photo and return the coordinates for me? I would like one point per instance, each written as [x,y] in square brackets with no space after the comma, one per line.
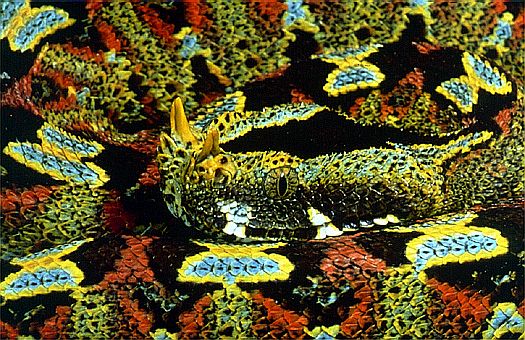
[237,216]
[378,221]
[324,225]
[385,220]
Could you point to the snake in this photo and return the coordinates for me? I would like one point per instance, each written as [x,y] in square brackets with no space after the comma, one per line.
[372,191]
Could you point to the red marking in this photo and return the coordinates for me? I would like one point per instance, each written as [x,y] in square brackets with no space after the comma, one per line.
[158,26]
[93,6]
[152,176]
[7,331]
[355,109]
[195,14]
[85,53]
[521,308]
[503,119]
[519,25]
[347,261]
[275,74]
[465,310]
[131,268]
[426,47]
[55,326]
[270,10]
[18,95]
[408,90]
[108,35]
[300,97]
[208,97]
[16,203]
[279,323]
[116,218]
[499,6]
[191,322]
[134,264]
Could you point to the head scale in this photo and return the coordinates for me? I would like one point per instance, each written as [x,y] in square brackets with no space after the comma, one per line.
[256,194]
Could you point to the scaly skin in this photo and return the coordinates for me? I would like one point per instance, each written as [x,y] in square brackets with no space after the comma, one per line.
[276,196]
[99,255]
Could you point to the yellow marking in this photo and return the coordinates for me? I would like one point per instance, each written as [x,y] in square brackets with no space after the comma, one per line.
[323,331]
[450,96]
[339,59]
[477,81]
[210,145]
[513,323]
[23,11]
[462,144]
[162,334]
[42,262]
[345,66]
[452,231]
[27,14]
[179,123]
[392,218]
[48,255]
[56,173]
[68,266]
[457,220]
[53,148]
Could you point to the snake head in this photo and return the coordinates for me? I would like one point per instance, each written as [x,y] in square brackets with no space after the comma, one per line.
[187,159]
[256,195]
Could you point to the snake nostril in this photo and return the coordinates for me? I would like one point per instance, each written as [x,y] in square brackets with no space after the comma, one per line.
[222,176]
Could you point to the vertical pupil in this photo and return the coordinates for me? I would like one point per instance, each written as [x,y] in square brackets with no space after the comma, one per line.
[282,185]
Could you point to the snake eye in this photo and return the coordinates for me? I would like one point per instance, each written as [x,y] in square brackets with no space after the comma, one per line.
[281,182]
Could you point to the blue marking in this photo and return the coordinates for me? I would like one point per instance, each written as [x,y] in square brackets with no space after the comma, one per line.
[189,46]
[220,267]
[229,268]
[294,12]
[64,142]
[419,3]
[460,239]
[253,267]
[446,241]
[36,25]
[473,247]
[270,266]
[47,279]
[441,251]
[502,32]
[485,73]
[424,252]
[8,10]
[489,244]
[498,319]
[476,237]
[41,278]
[202,269]
[461,91]
[457,250]
[210,260]
[430,244]
[354,75]
[236,268]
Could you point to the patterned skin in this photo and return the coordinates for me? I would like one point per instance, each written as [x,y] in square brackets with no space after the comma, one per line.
[364,249]
[276,196]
